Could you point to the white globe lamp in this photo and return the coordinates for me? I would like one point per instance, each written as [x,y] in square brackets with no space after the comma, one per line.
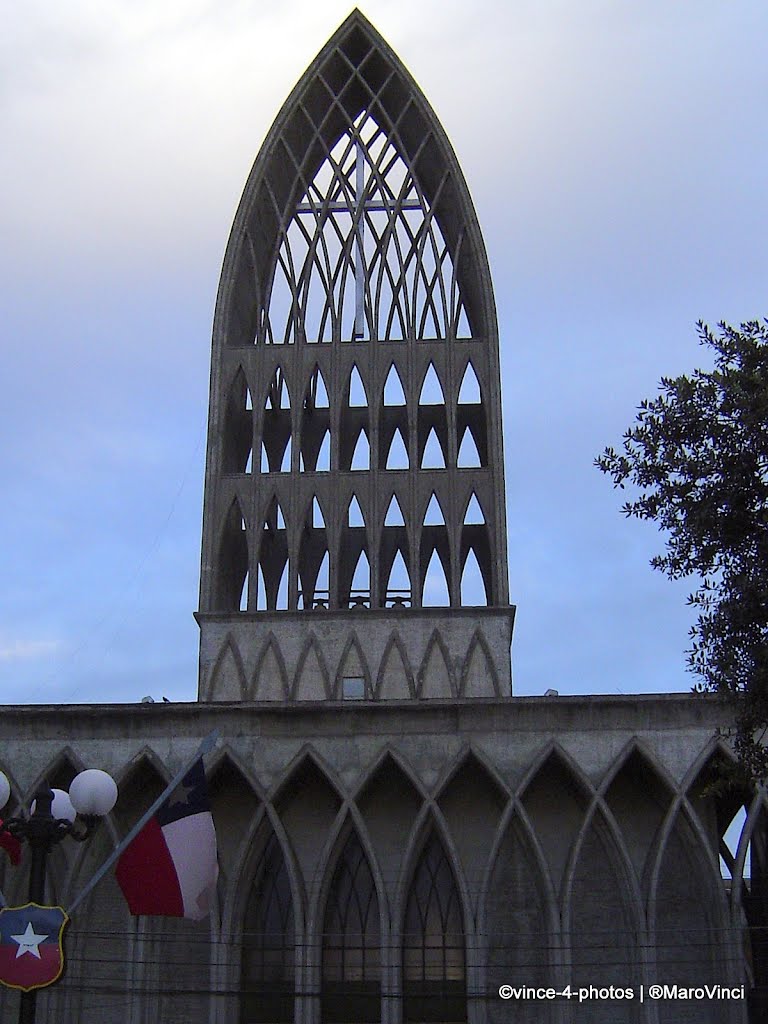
[93,793]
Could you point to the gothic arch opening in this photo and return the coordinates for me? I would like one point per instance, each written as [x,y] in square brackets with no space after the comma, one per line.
[351,958]
[432,423]
[434,969]
[232,566]
[393,424]
[267,967]
[237,434]
[518,923]
[276,424]
[434,557]
[354,425]
[315,424]
[314,583]
[272,593]
[354,579]
[471,422]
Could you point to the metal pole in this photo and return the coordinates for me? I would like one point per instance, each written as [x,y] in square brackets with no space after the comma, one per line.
[39,841]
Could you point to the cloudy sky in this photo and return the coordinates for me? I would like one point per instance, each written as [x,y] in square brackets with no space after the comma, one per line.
[617,154]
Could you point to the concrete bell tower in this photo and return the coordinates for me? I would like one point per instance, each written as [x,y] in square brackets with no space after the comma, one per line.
[354,541]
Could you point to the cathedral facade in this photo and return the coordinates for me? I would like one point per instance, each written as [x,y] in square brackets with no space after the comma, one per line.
[400,839]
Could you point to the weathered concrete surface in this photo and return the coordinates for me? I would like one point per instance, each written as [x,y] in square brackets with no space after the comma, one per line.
[533,799]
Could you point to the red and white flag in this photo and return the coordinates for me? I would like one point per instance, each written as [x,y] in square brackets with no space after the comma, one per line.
[11,845]
[170,868]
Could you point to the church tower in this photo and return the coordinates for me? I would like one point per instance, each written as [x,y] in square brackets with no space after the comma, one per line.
[354,542]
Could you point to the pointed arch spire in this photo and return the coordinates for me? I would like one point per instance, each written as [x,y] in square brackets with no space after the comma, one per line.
[354,265]
[384,143]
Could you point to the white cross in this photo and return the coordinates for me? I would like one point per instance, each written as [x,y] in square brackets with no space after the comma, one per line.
[360,206]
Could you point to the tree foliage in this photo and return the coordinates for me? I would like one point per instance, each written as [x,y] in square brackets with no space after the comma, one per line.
[698,454]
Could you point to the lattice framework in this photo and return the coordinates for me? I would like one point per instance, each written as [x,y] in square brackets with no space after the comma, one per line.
[355,357]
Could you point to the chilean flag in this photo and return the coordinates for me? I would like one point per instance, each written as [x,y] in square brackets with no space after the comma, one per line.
[170,868]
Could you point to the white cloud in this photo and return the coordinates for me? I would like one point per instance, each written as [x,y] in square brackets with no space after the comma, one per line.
[27,649]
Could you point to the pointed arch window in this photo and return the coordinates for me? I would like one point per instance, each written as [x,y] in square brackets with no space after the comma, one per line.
[434,557]
[324,454]
[434,513]
[398,588]
[315,425]
[238,427]
[232,567]
[474,513]
[472,583]
[355,515]
[475,557]
[469,389]
[393,424]
[435,592]
[360,590]
[352,942]
[354,426]
[433,456]
[272,583]
[313,559]
[364,255]
[357,397]
[276,431]
[354,580]
[395,586]
[244,594]
[361,456]
[469,455]
[267,963]
[394,514]
[434,973]
[431,388]
[397,457]
[393,394]
[432,423]
[285,465]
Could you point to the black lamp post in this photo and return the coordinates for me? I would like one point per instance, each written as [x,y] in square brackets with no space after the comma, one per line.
[55,815]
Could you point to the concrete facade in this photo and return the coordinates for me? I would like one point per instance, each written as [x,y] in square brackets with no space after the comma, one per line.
[579,842]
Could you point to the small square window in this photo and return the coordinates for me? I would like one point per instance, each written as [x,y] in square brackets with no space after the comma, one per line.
[352,688]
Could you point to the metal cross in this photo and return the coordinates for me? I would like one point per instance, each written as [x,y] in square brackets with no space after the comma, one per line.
[359,209]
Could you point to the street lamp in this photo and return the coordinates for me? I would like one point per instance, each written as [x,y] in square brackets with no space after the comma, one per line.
[53,815]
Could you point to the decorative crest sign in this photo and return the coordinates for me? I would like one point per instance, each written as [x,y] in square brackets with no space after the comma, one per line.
[31,946]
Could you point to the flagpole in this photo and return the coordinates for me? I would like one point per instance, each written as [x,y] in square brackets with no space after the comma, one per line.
[207,745]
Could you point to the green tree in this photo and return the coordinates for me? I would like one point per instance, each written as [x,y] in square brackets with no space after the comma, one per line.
[698,456]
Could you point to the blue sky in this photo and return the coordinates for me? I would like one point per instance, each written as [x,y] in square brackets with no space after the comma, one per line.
[617,154]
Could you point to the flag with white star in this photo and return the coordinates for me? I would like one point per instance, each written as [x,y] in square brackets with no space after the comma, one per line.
[170,868]
[31,946]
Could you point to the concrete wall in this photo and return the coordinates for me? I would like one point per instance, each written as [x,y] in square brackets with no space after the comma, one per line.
[580,846]
[422,654]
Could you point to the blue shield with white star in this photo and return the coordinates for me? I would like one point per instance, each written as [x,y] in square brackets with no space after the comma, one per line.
[31,946]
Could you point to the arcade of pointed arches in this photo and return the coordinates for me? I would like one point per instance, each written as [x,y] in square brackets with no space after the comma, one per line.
[431,897]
